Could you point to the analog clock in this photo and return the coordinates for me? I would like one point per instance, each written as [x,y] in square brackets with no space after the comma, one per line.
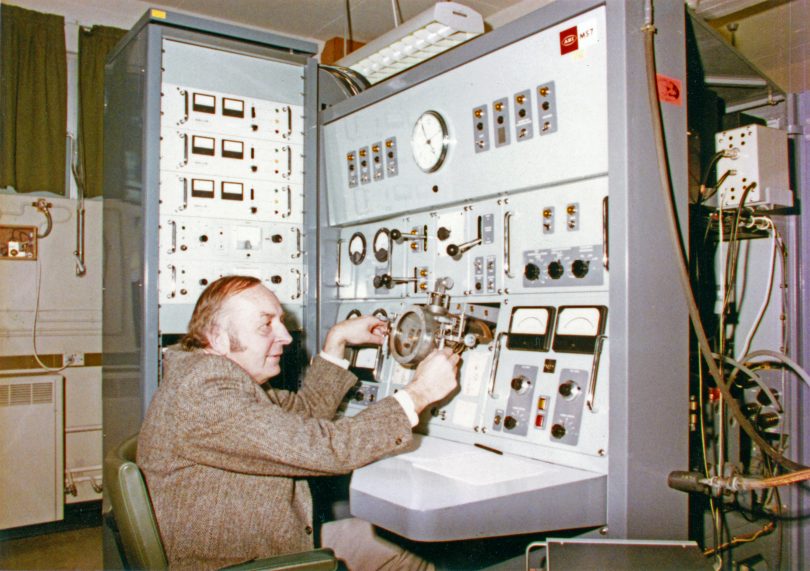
[429,141]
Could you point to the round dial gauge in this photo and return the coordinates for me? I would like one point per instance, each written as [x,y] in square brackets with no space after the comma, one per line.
[357,248]
[429,141]
[382,244]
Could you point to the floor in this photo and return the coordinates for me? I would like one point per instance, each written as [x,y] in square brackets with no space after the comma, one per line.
[78,549]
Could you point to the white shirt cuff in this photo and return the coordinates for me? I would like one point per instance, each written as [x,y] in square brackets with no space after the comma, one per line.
[406,402]
[334,360]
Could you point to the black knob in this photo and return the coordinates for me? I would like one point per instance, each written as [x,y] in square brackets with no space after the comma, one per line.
[555,270]
[203,282]
[358,396]
[275,279]
[520,383]
[767,420]
[558,431]
[396,235]
[382,280]
[765,400]
[569,390]
[452,250]
[580,268]
[532,272]
[510,422]
[276,238]
[443,233]
[204,238]
[183,291]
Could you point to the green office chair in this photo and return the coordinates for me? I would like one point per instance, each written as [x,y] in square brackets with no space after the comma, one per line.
[138,531]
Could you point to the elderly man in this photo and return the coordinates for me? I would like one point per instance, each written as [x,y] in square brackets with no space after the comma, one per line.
[226,462]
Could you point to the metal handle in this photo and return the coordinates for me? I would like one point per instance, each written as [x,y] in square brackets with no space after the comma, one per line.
[289,202]
[289,120]
[507,246]
[173,247]
[597,357]
[338,274]
[605,242]
[173,290]
[289,160]
[493,372]
[184,136]
[185,193]
[297,283]
[184,93]
[298,251]
[381,354]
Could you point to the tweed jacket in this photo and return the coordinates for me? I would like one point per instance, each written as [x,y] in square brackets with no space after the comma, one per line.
[226,462]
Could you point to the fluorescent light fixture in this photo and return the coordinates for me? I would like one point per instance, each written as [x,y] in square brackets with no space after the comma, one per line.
[444,26]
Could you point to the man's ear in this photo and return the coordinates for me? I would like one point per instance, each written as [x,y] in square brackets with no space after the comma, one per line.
[219,340]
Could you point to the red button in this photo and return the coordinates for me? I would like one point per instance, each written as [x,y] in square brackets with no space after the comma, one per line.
[539,420]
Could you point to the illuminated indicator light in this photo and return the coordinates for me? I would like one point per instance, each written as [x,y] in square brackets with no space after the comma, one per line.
[350,157]
[541,403]
[547,213]
[375,148]
[520,99]
[159,14]
[539,421]
[498,106]
[362,152]
[389,144]
[544,91]
[478,113]
[571,209]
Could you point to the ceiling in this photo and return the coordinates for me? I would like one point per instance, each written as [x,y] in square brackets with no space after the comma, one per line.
[322,19]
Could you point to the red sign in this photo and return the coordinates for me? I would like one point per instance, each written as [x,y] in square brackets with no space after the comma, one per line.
[569,41]
[669,89]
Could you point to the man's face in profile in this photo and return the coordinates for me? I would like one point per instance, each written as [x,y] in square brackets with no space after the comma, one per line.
[256,335]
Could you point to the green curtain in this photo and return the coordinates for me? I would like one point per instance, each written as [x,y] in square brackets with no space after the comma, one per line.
[33,100]
[94,45]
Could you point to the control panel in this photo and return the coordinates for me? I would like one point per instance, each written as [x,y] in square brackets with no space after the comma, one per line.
[492,195]
[231,195]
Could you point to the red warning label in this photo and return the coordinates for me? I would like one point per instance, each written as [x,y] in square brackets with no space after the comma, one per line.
[569,40]
[669,89]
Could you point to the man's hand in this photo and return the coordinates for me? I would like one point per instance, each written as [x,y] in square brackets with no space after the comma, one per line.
[435,378]
[364,330]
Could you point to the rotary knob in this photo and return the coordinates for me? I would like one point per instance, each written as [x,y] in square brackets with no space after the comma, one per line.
[510,422]
[555,270]
[532,272]
[558,431]
[579,268]
[521,384]
[443,233]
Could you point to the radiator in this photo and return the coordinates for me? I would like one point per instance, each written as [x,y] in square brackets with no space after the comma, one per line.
[31,450]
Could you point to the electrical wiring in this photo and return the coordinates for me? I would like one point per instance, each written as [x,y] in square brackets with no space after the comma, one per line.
[36,320]
[793,365]
[751,375]
[767,529]
[776,242]
[680,255]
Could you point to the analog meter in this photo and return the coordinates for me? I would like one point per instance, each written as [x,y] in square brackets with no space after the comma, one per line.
[357,248]
[382,245]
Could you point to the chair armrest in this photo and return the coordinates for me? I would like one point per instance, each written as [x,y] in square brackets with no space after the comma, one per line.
[317,560]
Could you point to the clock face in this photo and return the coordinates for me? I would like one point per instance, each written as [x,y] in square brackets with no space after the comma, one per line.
[429,141]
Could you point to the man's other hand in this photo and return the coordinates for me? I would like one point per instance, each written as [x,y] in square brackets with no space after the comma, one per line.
[435,378]
[364,330]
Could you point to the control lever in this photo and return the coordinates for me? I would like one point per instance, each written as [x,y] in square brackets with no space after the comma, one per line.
[398,237]
[455,251]
[388,281]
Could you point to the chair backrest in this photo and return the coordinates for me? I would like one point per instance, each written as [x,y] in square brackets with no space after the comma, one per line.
[132,508]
